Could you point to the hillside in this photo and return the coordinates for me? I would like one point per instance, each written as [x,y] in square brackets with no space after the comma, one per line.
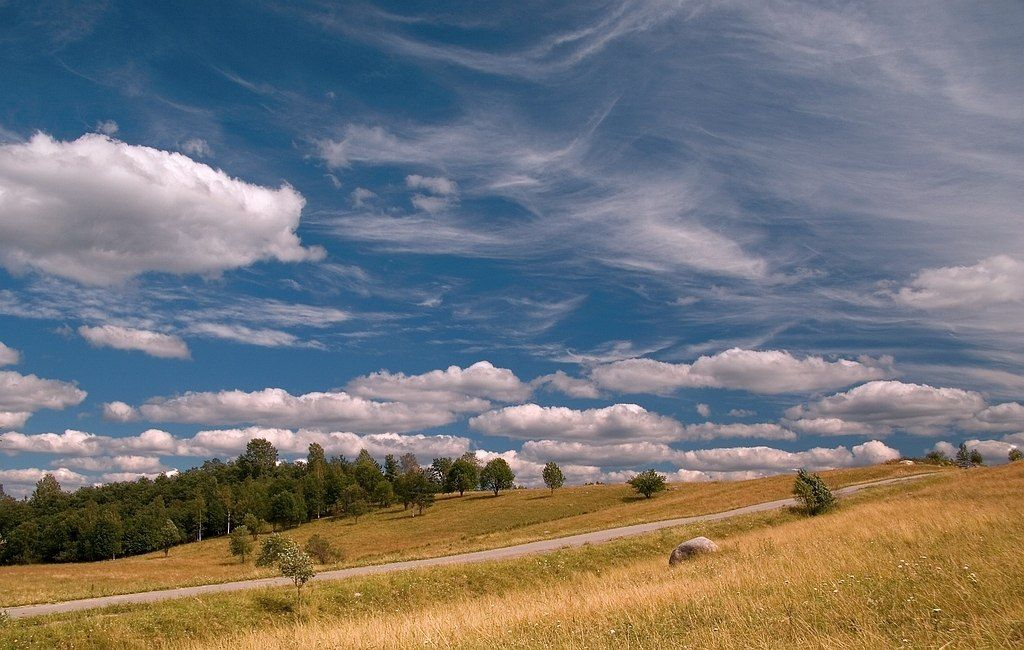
[928,564]
[474,522]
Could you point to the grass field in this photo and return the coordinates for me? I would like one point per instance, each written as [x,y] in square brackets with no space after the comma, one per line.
[934,563]
[456,524]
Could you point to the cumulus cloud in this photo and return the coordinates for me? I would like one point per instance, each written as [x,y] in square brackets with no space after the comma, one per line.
[713,431]
[768,459]
[995,280]
[197,147]
[703,410]
[22,395]
[141,453]
[758,371]
[119,412]
[617,422]
[571,386]
[880,407]
[107,127]
[459,389]
[8,356]
[165,346]
[100,211]
[20,481]
[275,407]
[624,454]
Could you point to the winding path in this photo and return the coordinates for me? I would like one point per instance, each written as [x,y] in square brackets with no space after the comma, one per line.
[504,553]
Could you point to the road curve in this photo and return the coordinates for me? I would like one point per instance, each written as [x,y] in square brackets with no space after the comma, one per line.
[504,553]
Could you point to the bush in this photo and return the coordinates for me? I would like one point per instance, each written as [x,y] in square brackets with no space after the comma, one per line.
[321,550]
[812,493]
[647,483]
[273,549]
[1015,455]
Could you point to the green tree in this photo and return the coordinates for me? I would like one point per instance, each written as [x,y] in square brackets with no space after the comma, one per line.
[259,459]
[48,498]
[936,457]
[1015,455]
[967,457]
[439,469]
[273,549]
[553,477]
[168,536]
[497,475]
[321,549]
[463,475]
[287,509]
[976,458]
[298,566]
[367,471]
[383,495]
[812,493]
[240,542]
[253,525]
[648,483]
[315,485]
[391,469]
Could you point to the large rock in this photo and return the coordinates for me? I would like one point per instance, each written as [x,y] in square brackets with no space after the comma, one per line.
[690,548]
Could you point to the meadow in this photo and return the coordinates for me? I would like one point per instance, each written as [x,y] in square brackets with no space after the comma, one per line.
[933,563]
[476,521]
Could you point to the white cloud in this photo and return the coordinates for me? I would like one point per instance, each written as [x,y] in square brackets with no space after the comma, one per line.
[625,454]
[434,184]
[22,480]
[618,422]
[713,431]
[768,459]
[275,407]
[703,410]
[166,346]
[571,386]
[1008,416]
[124,463]
[992,281]
[100,211]
[81,443]
[119,412]
[741,413]
[107,127]
[197,147]
[767,371]
[458,389]
[8,356]
[266,338]
[25,394]
[880,407]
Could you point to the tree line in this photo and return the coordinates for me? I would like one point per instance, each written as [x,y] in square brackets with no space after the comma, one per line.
[256,490]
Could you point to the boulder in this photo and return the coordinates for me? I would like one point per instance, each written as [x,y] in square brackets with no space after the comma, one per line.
[690,548]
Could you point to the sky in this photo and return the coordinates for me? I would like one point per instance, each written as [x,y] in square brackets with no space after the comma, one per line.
[720,239]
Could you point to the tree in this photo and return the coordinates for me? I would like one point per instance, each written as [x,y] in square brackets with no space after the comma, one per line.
[273,548]
[259,459]
[48,498]
[553,477]
[497,475]
[648,483]
[252,524]
[439,469]
[390,468]
[812,493]
[1015,455]
[383,495]
[240,543]
[936,457]
[352,503]
[168,536]
[463,475]
[298,566]
[287,509]
[321,549]
[367,471]
[314,485]
[966,458]
[976,458]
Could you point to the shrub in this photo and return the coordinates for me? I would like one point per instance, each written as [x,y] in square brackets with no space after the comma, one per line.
[812,493]
[936,457]
[273,548]
[648,483]
[321,549]
[1015,455]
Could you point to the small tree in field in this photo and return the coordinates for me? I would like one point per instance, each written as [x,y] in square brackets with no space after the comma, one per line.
[253,524]
[553,477]
[963,456]
[497,475]
[298,566]
[240,544]
[976,458]
[169,535]
[648,483]
[273,549]
[321,549]
[1015,455]
[812,493]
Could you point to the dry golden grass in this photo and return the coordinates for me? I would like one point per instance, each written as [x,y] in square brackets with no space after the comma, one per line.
[934,565]
[474,522]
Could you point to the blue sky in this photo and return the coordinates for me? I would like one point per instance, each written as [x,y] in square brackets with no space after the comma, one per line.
[719,239]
